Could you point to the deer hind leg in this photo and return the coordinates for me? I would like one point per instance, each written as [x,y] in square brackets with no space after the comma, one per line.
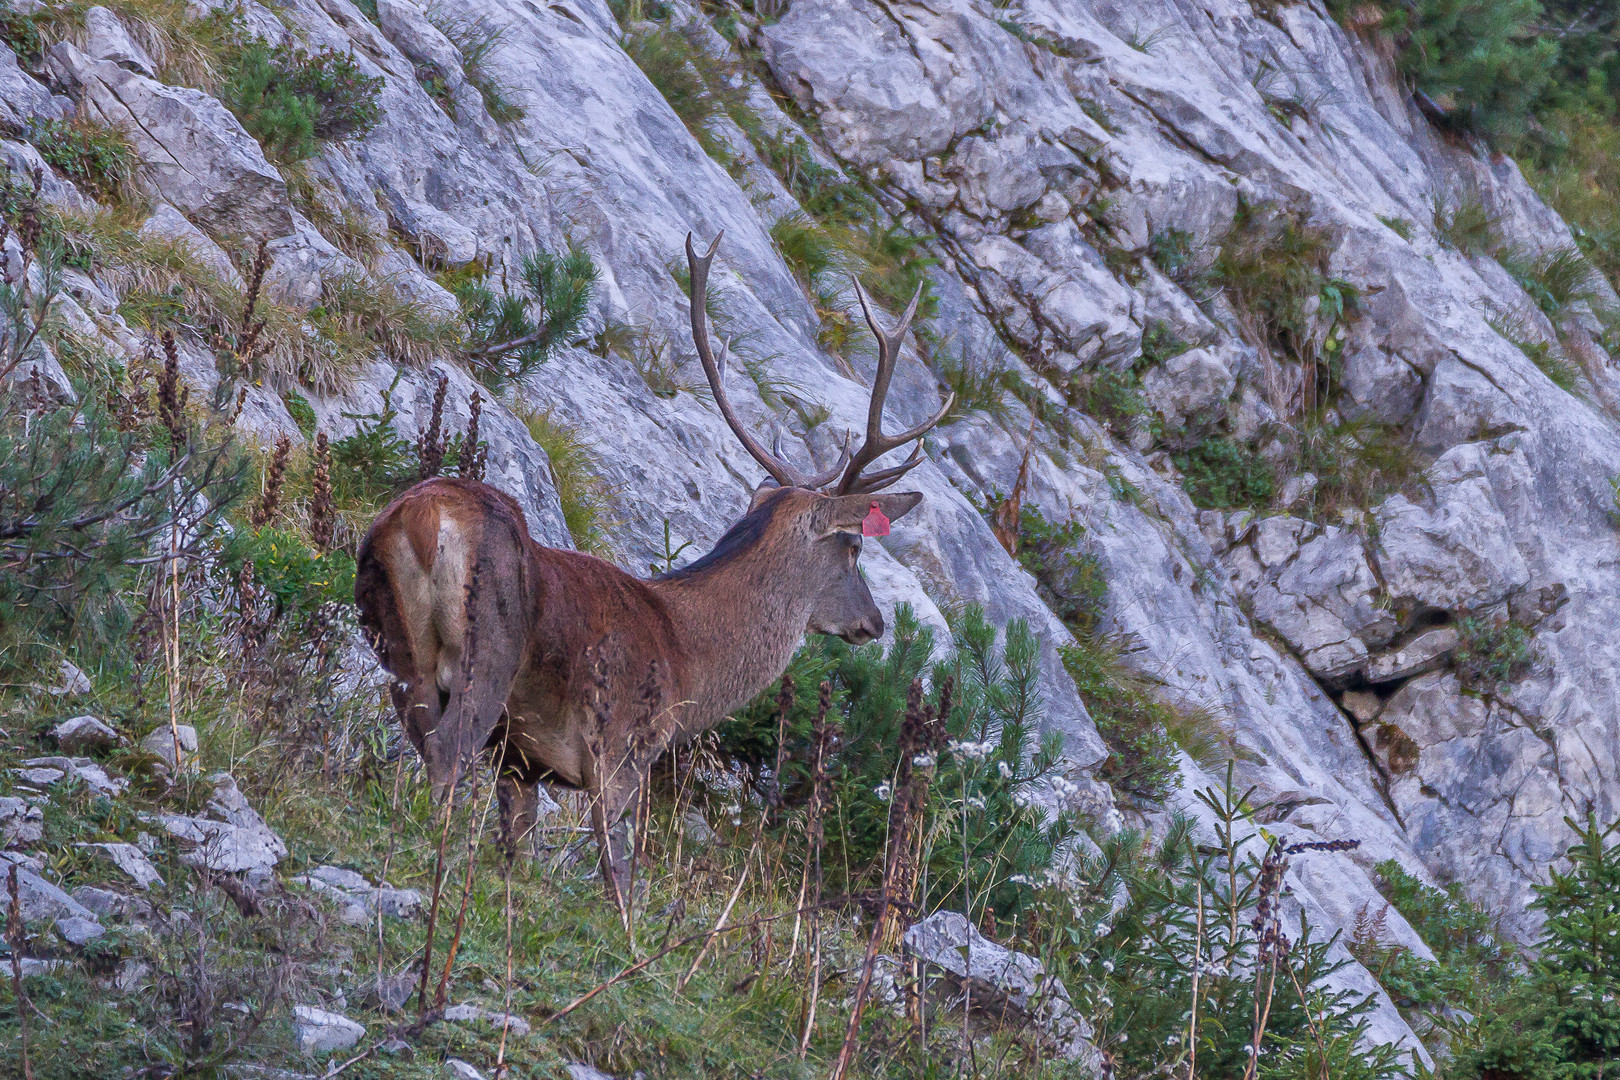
[481,640]
[517,790]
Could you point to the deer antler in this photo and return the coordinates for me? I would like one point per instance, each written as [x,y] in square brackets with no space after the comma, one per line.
[877,444]
[780,470]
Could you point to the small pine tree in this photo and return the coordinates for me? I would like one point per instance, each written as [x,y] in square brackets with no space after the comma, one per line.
[1579,969]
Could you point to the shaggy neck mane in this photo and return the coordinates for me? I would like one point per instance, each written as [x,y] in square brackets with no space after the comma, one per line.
[738,540]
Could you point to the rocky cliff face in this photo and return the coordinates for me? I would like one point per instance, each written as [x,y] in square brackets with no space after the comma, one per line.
[1078,164]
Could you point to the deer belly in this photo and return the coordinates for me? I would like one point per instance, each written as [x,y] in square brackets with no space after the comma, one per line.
[556,748]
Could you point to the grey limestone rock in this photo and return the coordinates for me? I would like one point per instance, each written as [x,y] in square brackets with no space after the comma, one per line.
[318,1031]
[84,734]
[232,839]
[1015,981]
[194,153]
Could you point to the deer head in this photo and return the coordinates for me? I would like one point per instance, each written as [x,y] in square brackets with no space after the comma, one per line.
[817,522]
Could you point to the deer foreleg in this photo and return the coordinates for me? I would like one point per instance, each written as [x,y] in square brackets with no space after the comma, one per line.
[520,804]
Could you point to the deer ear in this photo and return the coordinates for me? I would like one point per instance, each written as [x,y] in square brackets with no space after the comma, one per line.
[844,513]
[767,487]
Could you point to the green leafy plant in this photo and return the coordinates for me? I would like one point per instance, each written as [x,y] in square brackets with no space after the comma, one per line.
[1491,654]
[291,571]
[291,101]
[1184,974]
[97,159]
[1222,474]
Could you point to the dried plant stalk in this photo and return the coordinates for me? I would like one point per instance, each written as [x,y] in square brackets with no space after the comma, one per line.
[431,444]
[320,511]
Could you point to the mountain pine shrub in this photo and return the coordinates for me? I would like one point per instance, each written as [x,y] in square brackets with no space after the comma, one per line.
[292,101]
[510,334]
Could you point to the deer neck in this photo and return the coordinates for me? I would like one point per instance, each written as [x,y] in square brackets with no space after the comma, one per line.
[740,627]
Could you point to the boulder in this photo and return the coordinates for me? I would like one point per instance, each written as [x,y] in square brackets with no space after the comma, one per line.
[78,931]
[129,859]
[1188,384]
[578,1070]
[74,682]
[46,771]
[359,900]
[170,226]
[1453,550]
[159,742]
[23,99]
[193,151]
[320,1032]
[232,839]
[391,992]
[457,1069]
[1423,653]
[21,821]
[84,735]
[1016,982]
[471,1012]
[1321,596]
[39,899]
[104,902]
[107,39]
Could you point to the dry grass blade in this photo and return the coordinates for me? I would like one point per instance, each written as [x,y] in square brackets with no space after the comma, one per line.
[720,923]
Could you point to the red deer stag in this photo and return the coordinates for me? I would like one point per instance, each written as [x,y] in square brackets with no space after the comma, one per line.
[571,670]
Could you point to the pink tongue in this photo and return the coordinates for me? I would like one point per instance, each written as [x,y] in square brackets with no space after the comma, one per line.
[874,523]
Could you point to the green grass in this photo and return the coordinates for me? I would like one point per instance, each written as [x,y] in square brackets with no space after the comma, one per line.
[1465,224]
[477,40]
[1554,280]
[587,500]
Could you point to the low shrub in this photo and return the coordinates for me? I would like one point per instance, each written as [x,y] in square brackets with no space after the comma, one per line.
[1275,268]
[511,334]
[99,160]
[1492,654]
[1070,579]
[986,842]
[291,101]
[1222,474]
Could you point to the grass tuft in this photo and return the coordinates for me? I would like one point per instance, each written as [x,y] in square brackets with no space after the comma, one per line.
[587,499]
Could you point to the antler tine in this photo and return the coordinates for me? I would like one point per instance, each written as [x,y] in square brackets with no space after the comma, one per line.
[822,479]
[877,481]
[877,444]
[699,264]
